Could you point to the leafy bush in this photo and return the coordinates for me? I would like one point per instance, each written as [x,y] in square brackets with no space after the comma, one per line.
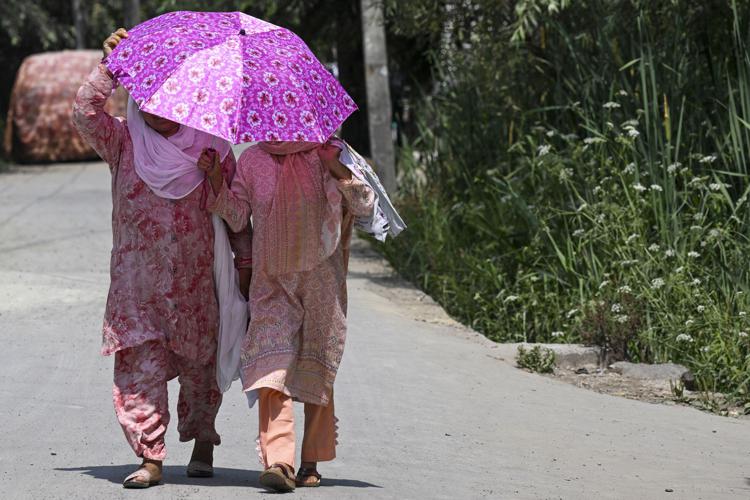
[591,184]
[537,359]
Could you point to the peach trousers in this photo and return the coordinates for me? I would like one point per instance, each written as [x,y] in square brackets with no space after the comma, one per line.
[277,439]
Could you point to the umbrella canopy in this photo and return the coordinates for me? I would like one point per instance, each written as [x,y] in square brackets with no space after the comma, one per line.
[231,75]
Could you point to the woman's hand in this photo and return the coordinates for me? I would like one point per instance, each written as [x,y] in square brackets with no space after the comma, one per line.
[113,41]
[209,163]
[329,156]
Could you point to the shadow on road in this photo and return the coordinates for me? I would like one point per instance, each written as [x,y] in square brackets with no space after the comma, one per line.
[175,474]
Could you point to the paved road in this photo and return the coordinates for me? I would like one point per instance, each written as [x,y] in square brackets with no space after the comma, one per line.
[427,410]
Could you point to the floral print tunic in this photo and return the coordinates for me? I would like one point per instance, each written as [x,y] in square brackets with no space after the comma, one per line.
[162,285]
[297,330]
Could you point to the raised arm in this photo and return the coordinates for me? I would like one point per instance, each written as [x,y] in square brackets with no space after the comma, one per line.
[100,130]
[103,132]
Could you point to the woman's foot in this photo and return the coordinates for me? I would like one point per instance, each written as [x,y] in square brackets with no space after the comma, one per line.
[148,474]
[307,476]
[202,461]
[278,477]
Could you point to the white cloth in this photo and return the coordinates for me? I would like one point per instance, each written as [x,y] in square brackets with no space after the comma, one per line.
[233,309]
[384,219]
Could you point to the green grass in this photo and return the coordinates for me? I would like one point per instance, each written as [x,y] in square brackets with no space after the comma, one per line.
[617,214]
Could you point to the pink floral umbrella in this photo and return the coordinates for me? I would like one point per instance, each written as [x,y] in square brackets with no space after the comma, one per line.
[231,75]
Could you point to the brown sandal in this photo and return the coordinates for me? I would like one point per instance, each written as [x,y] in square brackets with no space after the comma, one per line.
[143,477]
[278,477]
[308,478]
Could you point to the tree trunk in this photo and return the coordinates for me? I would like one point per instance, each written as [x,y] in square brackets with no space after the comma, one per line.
[80,24]
[378,92]
[132,10]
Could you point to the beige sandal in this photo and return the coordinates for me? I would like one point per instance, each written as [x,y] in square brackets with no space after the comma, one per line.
[278,477]
[142,478]
[308,478]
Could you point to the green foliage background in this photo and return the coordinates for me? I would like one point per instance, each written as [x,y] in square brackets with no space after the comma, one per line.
[580,174]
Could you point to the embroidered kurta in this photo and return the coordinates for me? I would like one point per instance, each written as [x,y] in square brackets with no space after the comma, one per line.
[297,330]
[162,285]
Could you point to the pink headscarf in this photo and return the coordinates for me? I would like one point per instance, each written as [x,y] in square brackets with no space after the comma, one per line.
[304,222]
[168,165]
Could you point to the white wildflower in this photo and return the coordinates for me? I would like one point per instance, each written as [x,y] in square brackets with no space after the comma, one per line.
[629,168]
[543,149]
[616,308]
[700,309]
[566,173]
[622,318]
[551,133]
[558,334]
[673,167]
[657,283]
[632,132]
[708,159]
[742,334]
[693,254]
[629,123]
[571,313]
[597,190]
[679,270]
[601,218]
[684,337]
[611,105]
[714,186]
[653,248]
[705,348]
[656,187]
[593,140]
[622,93]
[703,243]
[669,253]
[624,289]
[743,314]
[639,187]
[696,282]
[714,233]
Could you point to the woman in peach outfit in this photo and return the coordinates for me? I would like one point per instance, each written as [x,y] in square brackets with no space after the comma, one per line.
[303,202]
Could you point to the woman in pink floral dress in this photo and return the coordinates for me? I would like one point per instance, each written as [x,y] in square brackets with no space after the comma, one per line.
[303,203]
[161,319]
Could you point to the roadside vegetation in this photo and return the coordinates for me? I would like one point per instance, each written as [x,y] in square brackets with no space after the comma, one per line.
[579,173]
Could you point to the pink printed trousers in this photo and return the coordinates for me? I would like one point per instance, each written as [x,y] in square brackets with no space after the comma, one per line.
[142,406]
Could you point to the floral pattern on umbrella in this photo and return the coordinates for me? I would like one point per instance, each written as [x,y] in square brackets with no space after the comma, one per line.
[232,75]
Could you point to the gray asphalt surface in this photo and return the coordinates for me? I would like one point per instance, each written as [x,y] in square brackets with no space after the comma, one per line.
[427,410]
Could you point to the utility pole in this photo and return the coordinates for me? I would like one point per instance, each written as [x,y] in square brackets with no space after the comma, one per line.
[132,10]
[80,24]
[378,92]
